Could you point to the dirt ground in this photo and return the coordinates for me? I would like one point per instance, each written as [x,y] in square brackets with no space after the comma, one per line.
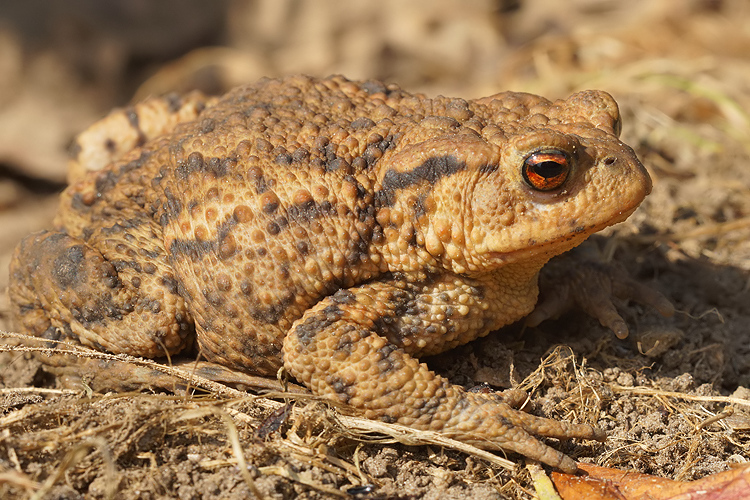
[674,397]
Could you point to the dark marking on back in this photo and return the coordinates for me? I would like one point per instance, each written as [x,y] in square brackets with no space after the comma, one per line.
[68,269]
[220,167]
[337,164]
[105,181]
[282,157]
[430,171]
[255,175]
[194,163]
[123,226]
[192,249]
[207,125]
[362,122]
[374,87]
[300,155]
[304,212]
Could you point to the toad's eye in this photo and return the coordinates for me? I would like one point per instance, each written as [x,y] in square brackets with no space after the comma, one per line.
[546,170]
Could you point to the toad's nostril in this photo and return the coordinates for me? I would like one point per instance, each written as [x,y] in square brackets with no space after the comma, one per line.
[610,160]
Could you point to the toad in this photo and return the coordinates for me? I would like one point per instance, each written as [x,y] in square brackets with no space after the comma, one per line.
[339,229]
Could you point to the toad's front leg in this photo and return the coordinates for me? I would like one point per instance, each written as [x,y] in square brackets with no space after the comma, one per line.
[356,347]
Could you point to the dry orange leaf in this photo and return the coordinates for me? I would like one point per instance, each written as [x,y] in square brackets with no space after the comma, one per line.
[603,483]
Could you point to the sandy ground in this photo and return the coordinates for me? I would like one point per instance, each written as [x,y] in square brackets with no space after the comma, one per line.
[680,71]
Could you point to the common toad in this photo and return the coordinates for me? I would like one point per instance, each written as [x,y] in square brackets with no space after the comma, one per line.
[339,229]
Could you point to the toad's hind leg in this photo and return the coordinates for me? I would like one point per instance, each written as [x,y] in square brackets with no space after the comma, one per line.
[340,349]
[103,293]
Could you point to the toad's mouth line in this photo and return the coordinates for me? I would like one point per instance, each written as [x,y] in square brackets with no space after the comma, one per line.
[569,240]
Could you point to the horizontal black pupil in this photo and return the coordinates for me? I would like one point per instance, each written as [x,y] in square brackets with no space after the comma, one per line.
[548,169]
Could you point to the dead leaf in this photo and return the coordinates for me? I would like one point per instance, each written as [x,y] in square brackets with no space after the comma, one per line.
[603,483]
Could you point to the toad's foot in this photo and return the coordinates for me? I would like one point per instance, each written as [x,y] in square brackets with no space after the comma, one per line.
[591,285]
[342,349]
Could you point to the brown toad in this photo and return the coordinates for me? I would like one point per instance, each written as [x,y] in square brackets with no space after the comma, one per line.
[339,229]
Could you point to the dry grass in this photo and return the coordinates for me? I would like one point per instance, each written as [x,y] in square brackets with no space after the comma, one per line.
[309,433]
